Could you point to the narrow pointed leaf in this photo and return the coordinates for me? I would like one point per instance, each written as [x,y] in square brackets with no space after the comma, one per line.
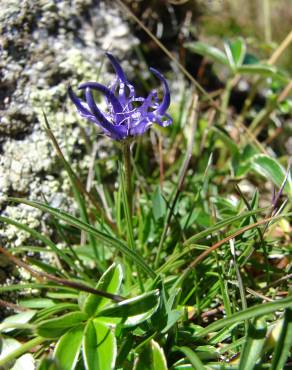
[262,70]
[192,357]
[106,239]
[215,54]
[272,170]
[159,205]
[53,328]
[39,237]
[238,50]
[110,282]
[235,52]
[135,310]
[258,310]
[222,224]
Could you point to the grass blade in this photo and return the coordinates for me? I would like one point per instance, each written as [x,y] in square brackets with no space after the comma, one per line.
[249,313]
[222,224]
[193,357]
[42,238]
[108,240]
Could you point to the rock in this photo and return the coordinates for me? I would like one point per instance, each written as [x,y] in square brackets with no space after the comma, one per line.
[45,45]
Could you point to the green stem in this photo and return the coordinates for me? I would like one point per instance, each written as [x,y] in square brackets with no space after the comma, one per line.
[250,98]
[21,350]
[128,173]
[262,116]
[267,21]
[129,202]
[225,100]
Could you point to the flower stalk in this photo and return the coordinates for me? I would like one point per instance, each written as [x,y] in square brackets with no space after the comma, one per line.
[128,174]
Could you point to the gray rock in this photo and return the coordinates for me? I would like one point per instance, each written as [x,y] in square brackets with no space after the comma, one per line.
[46,44]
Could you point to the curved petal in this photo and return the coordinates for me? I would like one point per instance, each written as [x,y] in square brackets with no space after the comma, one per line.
[115,132]
[78,103]
[117,107]
[122,77]
[162,108]
[117,67]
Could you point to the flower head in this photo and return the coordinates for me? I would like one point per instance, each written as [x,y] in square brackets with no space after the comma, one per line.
[126,115]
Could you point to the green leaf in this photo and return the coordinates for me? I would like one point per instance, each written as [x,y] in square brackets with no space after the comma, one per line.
[106,239]
[172,317]
[64,295]
[215,54]
[110,282]
[249,313]
[193,357]
[46,267]
[207,353]
[262,70]
[272,170]
[241,163]
[37,303]
[47,312]
[79,191]
[283,343]
[68,348]
[126,345]
[151,358]
[160,317]
[99,347]
[20,318]
[158,204]
[235,52]
[54,328]
[238,50]
[253,345]
[220,225]
[135,310]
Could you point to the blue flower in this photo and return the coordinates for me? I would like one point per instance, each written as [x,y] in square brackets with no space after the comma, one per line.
[126,115]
